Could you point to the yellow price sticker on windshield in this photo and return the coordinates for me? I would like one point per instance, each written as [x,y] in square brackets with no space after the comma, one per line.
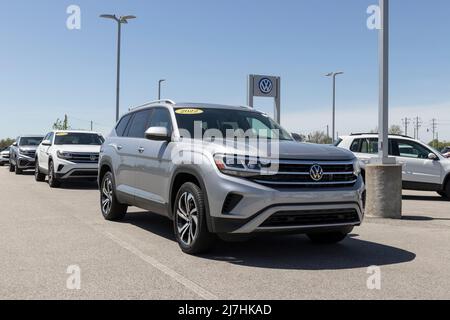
[61,133]
[189,111]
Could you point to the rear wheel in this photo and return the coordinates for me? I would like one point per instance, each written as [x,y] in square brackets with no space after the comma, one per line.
[112,209]
[38,176]
[329,237]
[53,182]
[189,220]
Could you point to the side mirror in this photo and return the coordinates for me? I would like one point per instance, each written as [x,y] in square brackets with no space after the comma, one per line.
[432,156]
[14,144]
[158,134]
[46,143]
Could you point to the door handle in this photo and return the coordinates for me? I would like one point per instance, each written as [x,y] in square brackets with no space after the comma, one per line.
[141,150]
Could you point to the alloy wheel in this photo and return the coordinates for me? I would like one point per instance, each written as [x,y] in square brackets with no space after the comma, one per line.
[107,195]
[187,218]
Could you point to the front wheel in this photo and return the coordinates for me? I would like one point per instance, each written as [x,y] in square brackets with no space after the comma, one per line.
[328,237]
[189,220]
[18,170]
[112,209]
[38,176]
[53,182]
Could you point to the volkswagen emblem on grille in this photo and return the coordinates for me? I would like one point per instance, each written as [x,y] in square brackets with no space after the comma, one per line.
[265,85]
[316,172]
[93,157]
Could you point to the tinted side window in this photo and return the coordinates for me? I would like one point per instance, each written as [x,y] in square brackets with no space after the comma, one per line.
[122,125]
[355,147]
[369,146]
[161,118]
[410,149]
[139,124]
[50,137]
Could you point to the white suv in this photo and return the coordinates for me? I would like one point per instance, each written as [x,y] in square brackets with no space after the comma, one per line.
[424,168]
[67,155]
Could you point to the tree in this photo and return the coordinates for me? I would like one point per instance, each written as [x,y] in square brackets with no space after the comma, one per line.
[395,129]
[5,143]
[61,124]
[439,145]
[319,137]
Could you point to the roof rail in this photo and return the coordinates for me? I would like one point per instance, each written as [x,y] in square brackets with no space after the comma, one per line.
[376,133]
[168,101]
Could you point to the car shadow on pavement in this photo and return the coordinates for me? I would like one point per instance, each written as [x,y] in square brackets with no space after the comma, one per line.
[79,185]
[294,252]
[424,198]
[423,218]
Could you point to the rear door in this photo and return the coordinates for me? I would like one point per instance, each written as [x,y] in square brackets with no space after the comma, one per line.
[122,157]
[131,165]
[365,149]
[416,165]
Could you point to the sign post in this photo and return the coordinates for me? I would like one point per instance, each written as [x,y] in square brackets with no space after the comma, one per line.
[265,86]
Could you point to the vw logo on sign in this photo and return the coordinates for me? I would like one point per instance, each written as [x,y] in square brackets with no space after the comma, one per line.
[316,172]
[265,85]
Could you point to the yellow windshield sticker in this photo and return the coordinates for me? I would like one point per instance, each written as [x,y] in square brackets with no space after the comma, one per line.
[189,111]
[61,133]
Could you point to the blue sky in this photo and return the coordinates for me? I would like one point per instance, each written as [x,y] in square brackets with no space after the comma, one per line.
[206,48]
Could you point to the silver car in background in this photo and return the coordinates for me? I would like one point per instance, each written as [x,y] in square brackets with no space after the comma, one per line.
[22,153]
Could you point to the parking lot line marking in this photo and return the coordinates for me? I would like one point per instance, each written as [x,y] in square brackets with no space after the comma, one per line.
[203,293]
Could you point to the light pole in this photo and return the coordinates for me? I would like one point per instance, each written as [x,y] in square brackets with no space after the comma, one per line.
[333,126]
[159,87]
[120,20]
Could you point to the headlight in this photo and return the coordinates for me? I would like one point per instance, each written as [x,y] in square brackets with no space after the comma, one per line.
[356,168]
[240,166]
[64,155]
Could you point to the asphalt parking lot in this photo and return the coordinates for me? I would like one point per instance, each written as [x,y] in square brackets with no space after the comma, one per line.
[43,231]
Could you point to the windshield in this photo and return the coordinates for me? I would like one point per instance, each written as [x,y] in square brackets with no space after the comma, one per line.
[76,138]
[253,124]
[30,141]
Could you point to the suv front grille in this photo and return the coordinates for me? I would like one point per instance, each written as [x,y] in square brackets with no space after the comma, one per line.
[84,157]
[296,174]
[312,217]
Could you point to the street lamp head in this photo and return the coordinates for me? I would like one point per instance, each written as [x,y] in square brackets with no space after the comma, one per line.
[124,19]
[109,16]
[333,74]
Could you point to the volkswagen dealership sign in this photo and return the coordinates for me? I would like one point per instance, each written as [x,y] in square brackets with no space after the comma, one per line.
[265,86]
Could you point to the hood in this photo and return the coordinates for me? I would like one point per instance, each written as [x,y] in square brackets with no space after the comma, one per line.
[287,150]
[79,148]
[28,148]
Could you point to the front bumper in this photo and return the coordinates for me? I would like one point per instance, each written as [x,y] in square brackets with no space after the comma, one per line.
[25,163]
[67,170]
[265,209]
[4,160]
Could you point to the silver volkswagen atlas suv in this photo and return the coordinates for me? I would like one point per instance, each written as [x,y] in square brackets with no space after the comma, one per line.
[167,158]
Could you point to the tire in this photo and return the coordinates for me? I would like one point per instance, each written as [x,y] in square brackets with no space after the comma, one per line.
[446,193]
[11,167]
[18,170]
[111,208]
[53,182]
[189,222]
[38,176]
[328,237]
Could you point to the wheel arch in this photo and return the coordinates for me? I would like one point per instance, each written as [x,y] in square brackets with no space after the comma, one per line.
[181,176]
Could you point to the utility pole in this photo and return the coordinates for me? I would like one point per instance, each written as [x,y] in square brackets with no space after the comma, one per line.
[433,129]
[92,125]
[406,122]
[333,127]
[328,131]
[417,125]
